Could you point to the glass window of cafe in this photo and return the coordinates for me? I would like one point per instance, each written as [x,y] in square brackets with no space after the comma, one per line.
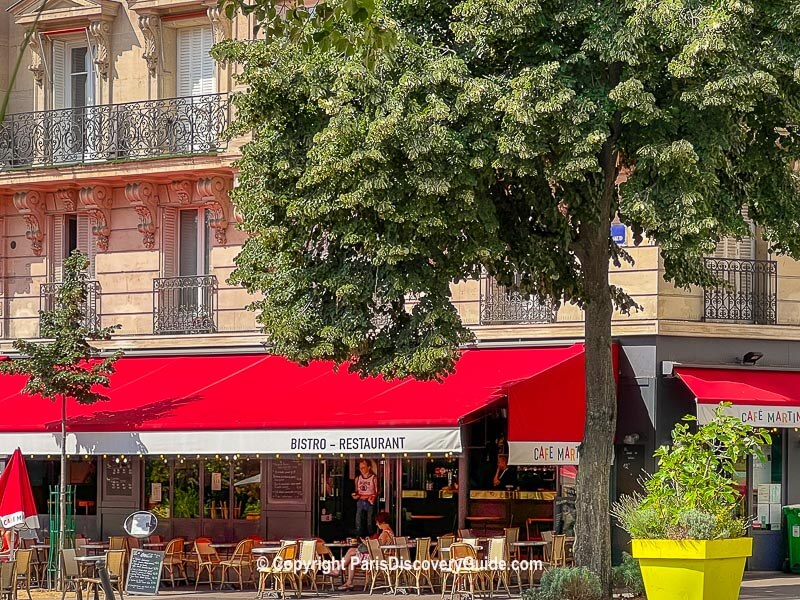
[81,473]
[764,492]
[214,488]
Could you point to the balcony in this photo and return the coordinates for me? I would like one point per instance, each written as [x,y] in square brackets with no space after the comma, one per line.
[498,305]
[749,293]
[185,305]
[130,131]
[90,310]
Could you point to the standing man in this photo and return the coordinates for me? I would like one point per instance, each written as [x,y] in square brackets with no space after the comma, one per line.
[365,495]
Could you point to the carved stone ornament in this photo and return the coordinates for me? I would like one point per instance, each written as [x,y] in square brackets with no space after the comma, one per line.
[66,200]
[220,24]
[151,29]
[213,193]
[31,206]
[100,31]
[98,199]
[143,197]
[37,65]
[182,190]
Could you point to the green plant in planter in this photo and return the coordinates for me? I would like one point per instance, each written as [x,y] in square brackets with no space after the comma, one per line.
[567,583]
[693,493]
[628,575]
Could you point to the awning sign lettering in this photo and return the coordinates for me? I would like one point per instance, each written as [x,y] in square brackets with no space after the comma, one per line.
[543,453]
[757,416]
[349,444]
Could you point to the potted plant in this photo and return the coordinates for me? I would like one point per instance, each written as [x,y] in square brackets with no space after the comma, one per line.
[687,531]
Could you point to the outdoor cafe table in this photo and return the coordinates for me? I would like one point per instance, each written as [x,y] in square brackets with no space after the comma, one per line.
[531,544]
[484,520]
[342,546]
[226,547]
[95,547]
[154,545]
[85,562]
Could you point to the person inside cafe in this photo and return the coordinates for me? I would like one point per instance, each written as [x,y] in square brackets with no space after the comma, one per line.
[9,541]
[505,476]
[384,535]
[365,496]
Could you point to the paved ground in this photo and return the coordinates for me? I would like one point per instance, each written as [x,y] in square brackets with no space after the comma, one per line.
[759,586]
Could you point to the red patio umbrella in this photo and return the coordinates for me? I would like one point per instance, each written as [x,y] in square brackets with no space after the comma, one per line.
[17,507]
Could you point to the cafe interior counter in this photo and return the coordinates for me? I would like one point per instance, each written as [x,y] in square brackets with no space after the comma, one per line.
[490,511]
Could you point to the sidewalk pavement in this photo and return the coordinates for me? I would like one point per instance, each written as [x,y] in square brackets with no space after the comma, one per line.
[757,586]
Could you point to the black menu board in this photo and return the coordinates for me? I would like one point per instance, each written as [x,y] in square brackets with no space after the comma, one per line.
[287,479]
[119,479]
[144,572]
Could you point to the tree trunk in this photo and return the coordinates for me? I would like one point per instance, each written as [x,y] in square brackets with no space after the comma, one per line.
[593,522]
[62,493]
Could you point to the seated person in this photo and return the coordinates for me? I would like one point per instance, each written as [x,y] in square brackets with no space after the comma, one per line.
[505,475]
[385,535]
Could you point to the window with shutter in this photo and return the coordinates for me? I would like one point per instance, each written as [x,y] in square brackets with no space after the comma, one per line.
[86,240]
[71,232]
[59,63]
[57,247]
[188,243]
[169,241]
[196,69]
[730,247]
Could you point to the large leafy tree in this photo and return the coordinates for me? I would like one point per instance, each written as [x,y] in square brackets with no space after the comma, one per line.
[505,136]
[64,364]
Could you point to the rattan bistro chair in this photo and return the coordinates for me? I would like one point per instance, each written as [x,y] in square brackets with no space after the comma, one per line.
[24,560]
[240,560]
[174,562]
[281,570]
[208,561]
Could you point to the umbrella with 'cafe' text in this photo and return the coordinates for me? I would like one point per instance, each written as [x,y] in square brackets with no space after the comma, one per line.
[17,507]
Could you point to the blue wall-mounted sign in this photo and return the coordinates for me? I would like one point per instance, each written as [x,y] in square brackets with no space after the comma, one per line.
[618,232]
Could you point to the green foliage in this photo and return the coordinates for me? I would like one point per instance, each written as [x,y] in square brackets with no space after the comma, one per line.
[187,501]
[693,493]
[566,583]
[66,365]
[498,135]
[628,575]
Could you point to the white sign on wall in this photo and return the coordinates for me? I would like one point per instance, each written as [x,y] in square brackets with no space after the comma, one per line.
[757,416]
[543,453]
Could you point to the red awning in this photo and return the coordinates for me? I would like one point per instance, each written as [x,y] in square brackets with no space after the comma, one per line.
[761,397]
[268,393]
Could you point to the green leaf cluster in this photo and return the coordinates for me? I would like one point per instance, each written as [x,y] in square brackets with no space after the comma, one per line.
[693,494]
[498,136]
[65,365]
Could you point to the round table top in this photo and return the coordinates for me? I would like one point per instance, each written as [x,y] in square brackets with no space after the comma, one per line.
[223,545]
[154,545]
[530,543]
[41,546]
[426,517]
[398,546]
[485,518]
[96,546]
[342,544]
[90,558]
[266,550]
[448,548]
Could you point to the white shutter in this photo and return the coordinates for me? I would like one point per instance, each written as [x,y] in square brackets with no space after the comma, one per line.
[59,73]
[86,241]
[169,241]
[196,69]
[57,247]
[730,247]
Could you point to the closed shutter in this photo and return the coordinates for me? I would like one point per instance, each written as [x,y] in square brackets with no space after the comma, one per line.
[57,247]
[86,242]
[730,247]
[59,74]
[196,68]
[169,241]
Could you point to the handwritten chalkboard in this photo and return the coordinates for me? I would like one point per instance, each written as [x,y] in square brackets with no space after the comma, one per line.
[119,479]
[144,572]
[287,479]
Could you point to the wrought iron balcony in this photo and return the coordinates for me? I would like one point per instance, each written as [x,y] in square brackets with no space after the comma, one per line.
[90,310]
[500,305]
[750,293]
[185,305]
[134,130]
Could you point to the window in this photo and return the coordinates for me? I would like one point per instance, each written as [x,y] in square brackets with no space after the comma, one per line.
[730,247]
[196,68]
[156,486]
[194,245]
[216,493]
[73,89]
[70,232]
[187,489]
[247,489]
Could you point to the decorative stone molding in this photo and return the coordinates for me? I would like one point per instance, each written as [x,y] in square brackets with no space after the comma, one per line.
[220,24]
[37,64]
[213,193]
[181,190]
[31,206]
[143,197]
[98,200]
[151,29]
[66,200]
[100,32]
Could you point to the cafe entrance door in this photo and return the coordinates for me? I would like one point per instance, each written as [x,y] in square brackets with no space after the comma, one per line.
[335,508]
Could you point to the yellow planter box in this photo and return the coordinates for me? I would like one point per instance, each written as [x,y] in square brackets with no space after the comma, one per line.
[692,569]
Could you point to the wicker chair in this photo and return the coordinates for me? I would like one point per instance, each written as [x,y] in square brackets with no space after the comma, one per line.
[281,570]
[241,559]
[174,561]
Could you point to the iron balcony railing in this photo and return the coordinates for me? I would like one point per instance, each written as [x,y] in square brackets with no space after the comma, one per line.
[90,310]
[185,305]
[749,293]
[134,130]
[500,305]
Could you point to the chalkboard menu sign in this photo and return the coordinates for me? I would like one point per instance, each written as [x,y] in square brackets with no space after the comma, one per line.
[287,479]
[119,479]
[144,572]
